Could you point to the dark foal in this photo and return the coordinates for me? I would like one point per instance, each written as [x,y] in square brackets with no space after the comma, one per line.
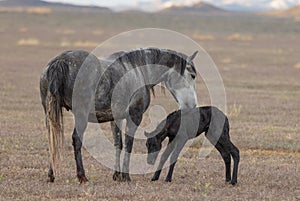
[180,126]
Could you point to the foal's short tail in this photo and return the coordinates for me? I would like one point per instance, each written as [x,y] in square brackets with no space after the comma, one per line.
[57,76]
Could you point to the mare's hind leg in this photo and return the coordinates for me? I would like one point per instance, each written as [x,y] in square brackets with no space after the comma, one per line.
[227,160]
[116,127]
[51,174]
[50,171]
[77,144]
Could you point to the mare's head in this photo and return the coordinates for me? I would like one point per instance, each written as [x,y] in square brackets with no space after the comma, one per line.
[153,146]
[181,81]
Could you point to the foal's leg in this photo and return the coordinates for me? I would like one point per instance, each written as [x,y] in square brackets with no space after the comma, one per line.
[116,127]
[236,158]
[163,159]
[226,157]
[174,157]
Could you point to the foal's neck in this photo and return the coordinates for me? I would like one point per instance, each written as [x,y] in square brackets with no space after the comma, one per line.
[164,135]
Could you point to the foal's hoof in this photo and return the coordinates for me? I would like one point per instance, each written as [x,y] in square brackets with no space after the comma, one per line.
[126,177]
[154,179]
[82,179]
[117,176]
[233,183]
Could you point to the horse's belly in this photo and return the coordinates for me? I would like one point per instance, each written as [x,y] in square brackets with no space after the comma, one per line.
[100,117]
[104,116]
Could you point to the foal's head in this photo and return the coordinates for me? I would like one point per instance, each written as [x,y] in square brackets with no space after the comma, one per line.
[154,146]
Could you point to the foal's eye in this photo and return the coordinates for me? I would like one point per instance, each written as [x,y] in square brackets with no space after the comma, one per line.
[193,76]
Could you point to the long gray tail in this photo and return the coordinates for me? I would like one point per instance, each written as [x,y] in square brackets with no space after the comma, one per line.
[57,76]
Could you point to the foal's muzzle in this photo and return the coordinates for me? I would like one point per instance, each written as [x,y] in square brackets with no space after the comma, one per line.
[151,158]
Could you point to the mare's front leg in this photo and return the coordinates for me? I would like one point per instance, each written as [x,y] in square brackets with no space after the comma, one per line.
[179,146]
[163,159]
[116,127]
[138,104]
[131,128]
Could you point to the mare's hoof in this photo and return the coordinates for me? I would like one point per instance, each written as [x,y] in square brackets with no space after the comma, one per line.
[154,179]
[117,176]
[233,183]
[168,180]
[227,181]
[82,179]
[126,177]
[51,178]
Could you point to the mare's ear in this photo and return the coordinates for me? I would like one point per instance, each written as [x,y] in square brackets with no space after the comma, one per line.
[146,134]
[192,57]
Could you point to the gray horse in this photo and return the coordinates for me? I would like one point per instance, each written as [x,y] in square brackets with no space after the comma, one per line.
[110,90]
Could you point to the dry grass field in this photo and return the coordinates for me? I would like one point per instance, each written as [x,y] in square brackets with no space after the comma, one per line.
[258,58]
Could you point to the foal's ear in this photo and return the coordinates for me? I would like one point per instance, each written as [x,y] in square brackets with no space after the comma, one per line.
[192,57]
[146,134]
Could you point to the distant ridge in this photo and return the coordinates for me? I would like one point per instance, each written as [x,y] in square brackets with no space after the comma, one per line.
[54,6]
[132,11]
[198,8]
[291,12]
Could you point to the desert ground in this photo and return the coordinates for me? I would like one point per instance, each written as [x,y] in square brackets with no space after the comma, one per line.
[258,59]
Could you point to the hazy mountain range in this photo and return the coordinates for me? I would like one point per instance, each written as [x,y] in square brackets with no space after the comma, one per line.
[200,7]
[291,12]
[52,5]
[168,8]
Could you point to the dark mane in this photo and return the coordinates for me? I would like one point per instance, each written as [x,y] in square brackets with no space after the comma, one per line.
[144,56]
[151,55]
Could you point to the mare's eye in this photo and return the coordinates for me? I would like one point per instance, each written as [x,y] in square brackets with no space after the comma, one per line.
[193,76]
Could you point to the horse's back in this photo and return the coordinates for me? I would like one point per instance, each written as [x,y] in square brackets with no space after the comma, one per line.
[196,121]
[69,62]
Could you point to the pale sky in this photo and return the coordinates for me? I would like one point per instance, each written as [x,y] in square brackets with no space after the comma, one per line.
[152,5]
